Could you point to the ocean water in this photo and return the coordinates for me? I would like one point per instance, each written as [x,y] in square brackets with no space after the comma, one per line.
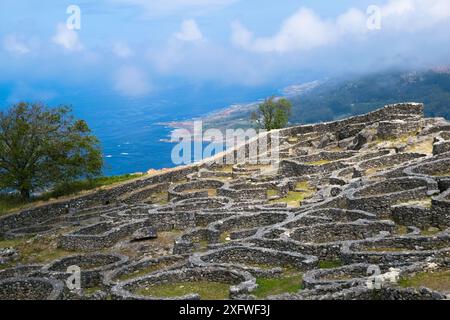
[129,129]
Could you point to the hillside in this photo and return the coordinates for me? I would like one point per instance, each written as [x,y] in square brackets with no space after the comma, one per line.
[351,209]
[338,98]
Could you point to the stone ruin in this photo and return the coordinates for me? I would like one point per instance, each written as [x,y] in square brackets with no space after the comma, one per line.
[354,209]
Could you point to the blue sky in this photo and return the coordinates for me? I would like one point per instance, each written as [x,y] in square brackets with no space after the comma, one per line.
[140,48]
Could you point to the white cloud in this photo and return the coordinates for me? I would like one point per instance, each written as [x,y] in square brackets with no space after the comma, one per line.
[122,50]
[166,7]
[305,30]
[209,61]
[67,38]
[240,36]
[352,22]
[302,31]
[132,82]
[413,15]
[13,44]
[189,31]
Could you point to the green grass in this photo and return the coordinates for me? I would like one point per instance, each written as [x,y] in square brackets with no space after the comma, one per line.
[91,291]
[303,185]
[441,174]
[9,203]
[161,198]
[438,280]
[292,140]
[430,232]
[35,250]
[262,266]
[211,192]
[288,283]
[294,198]
[203,245]
[88,184]
[207,290]
[227,169]
[224,236]
[401,230]
[330,264]
[425,203]
[272,193]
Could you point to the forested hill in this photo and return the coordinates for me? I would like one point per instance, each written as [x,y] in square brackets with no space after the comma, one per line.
[335,99]
[339,98]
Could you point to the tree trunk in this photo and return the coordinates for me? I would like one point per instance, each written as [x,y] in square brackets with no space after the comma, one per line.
[25,194]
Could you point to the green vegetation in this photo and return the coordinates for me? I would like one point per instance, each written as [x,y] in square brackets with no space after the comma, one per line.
[89,184]
[224,237]
[339,98]
[207,290]
[303,185]
[437,280]
[293,140]
[161,198]
[294,198]
[226,169]
[92,290]
[425,203]
[9,202]
[430,232]
[42,147]
[425,147]
[401,230]
[330,264]
[35,250]
[272,114]
[262,266]
[287,283]
[442,174]
[203,245]
[334,99]
[272,193]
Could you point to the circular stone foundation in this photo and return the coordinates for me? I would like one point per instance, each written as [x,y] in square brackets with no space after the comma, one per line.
[346,276]
[30,289]
[186,284]
[395,251]
[257,257]
[142,268]
[92,267]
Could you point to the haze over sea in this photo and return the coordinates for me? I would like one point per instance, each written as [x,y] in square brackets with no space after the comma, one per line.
[129,129]
[126,65]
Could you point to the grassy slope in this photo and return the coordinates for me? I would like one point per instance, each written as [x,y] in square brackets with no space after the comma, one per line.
[10,203]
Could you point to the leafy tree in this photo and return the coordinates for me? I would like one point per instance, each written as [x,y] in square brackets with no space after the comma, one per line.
[272,114]
[41,147]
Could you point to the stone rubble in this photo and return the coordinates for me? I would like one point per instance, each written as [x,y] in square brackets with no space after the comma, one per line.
[371,192]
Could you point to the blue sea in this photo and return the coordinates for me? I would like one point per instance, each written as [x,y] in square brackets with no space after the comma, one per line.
[129,129]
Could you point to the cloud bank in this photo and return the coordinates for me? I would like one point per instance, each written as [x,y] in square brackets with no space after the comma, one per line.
[306,30]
